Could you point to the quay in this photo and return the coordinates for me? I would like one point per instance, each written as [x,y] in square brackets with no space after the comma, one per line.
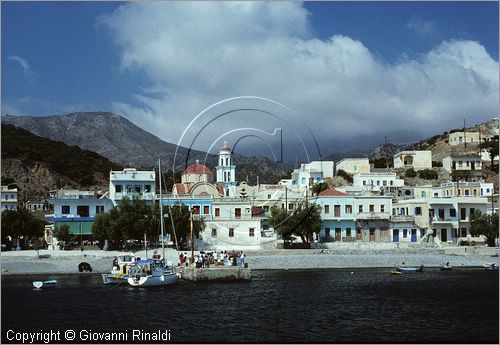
[214,273]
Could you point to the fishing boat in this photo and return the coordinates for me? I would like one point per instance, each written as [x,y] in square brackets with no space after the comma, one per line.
[410,269]
[490,266]
[119,273]
[151,272]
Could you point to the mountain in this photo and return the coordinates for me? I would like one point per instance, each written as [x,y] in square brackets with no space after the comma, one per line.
[118,139]
[375,153]
[37,165]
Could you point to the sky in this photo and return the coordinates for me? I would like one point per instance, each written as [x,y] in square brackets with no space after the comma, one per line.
[326,76]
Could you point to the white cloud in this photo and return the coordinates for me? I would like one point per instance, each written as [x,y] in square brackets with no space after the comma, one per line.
[196,54]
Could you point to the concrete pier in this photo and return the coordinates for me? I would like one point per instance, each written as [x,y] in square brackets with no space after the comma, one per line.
[215,273]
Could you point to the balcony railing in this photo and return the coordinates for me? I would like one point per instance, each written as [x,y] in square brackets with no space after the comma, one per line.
[402,218]
[373,215]
[130,195]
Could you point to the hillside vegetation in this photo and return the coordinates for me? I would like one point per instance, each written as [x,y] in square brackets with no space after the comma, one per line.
[29,160]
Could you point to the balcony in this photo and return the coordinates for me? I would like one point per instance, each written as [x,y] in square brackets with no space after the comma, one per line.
[130,195]
[373,215]
[402,218]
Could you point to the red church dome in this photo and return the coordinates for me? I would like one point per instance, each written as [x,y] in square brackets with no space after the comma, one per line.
[198,169]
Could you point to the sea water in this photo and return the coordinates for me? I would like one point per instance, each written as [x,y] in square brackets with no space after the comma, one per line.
[334,306]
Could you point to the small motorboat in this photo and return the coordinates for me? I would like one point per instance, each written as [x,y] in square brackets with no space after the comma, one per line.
[490,266]
[38,284]
[410,269]
[396,272]
[119,273]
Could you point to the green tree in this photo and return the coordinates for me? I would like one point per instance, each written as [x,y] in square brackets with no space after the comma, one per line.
[21,222]
[303,222]
[63,234]
[101,228]
[345,175]
[491,147]
[428,174]
[484,224]
[410,173]
[180,216]
[319,187]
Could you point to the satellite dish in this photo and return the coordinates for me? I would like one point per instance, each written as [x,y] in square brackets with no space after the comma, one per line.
[38,284]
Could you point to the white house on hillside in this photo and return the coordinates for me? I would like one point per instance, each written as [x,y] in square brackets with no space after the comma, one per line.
[354,165]
[418,160]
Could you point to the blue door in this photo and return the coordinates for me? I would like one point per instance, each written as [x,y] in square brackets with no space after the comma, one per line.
[395,235]
[414,235]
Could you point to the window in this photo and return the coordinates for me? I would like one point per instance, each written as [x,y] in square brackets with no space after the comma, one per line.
[471,211]
[137,188]
[227,161]
[82,211]
[251,232]
[290,206]
[327,232]
[360,208]
[118,188]
[348,209]
[466,192]
[372,208]
[206,209]
[147,188]
[405,233]
[217,212]
[382,208]
[364,183]
[327,208]
[453,212]
[336,211]
[214,232]
[423,194]
[231,232]
[196,209]
[378,182]
[65,209]
[462,213]
[237,213]
[384,183]
[348,232]
[129,188]
[418,211]
[229,176]
[441,213]
[99,209]
[391,182]
[269,196]
[460,163]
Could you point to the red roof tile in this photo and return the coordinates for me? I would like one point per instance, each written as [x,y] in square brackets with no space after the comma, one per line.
[198,169]
[332,192]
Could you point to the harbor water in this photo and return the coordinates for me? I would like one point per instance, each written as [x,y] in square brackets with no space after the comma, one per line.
[307,306]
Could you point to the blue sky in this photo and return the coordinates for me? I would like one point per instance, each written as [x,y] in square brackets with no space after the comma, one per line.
[159,64]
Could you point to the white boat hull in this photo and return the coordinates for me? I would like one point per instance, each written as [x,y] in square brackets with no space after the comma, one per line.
[156,280]
[109,278]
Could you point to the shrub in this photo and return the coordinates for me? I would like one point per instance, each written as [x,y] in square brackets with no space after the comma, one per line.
[410,173]
[345,175]
[428,174]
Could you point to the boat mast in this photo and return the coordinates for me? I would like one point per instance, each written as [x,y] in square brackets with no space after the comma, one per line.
[161,216]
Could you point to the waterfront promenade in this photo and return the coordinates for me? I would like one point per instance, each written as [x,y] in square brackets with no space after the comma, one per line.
[66,262]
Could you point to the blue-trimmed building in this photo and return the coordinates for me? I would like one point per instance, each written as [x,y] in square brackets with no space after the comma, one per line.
[77,209]
[338,215]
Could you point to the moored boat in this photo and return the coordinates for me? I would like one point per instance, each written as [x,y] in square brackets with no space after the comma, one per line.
[410,269]
[152,272]
[119,273]
[490,266]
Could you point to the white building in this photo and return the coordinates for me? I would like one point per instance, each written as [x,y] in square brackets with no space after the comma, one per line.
[465,162]
[409,220]
[132,183]
[310,174]
[418,160]
[9,198]
[377,181]
[354,165]
[459,138]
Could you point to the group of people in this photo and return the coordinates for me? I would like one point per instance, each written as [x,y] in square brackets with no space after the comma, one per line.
[205,259]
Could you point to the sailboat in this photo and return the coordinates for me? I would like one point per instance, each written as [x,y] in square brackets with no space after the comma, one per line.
[153,272]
